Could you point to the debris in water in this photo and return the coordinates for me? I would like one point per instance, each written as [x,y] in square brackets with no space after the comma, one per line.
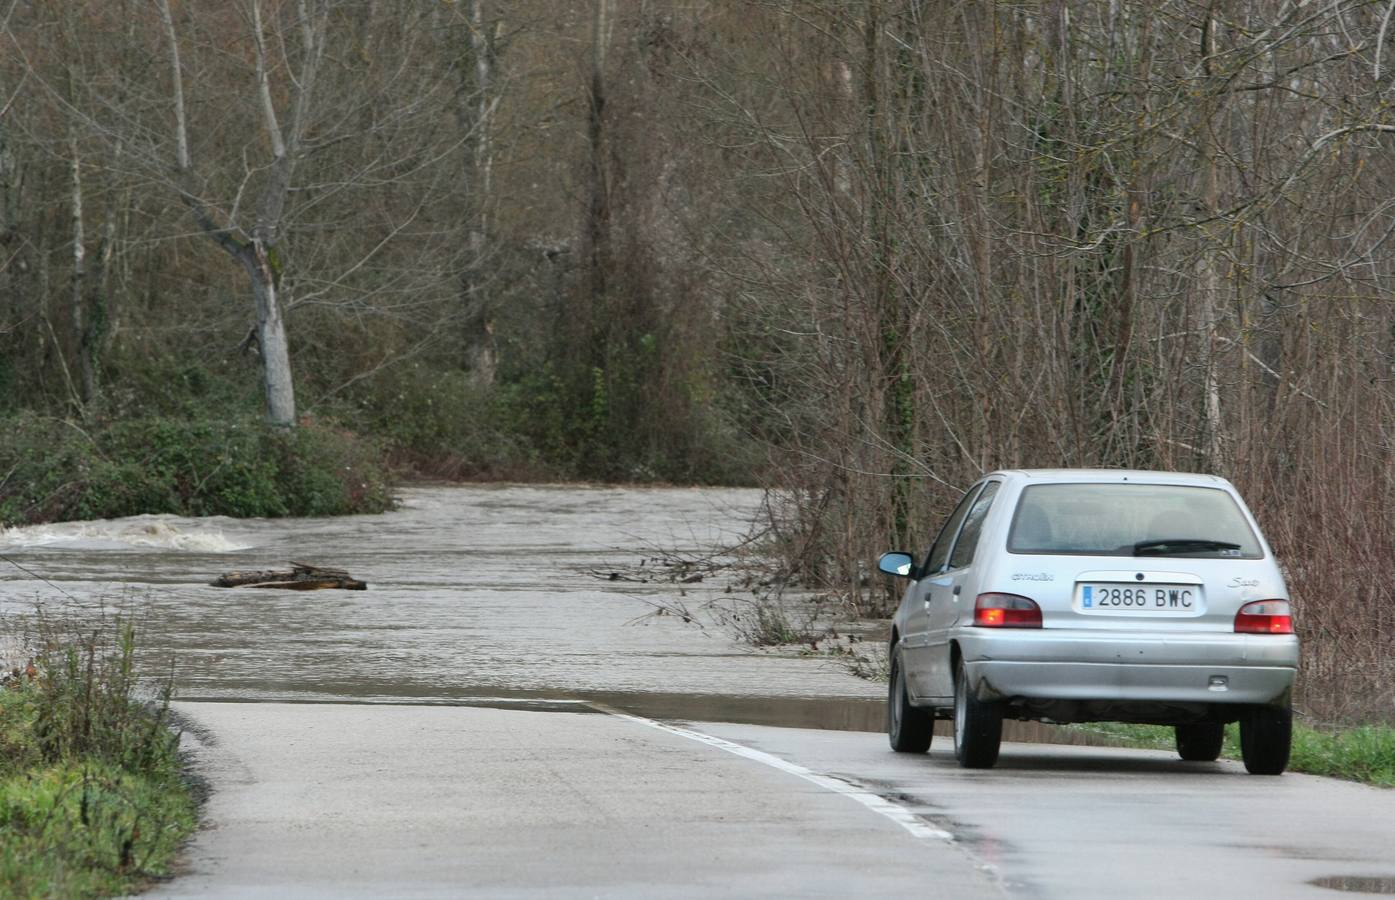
[302,577]
[1357,884]
[615,576]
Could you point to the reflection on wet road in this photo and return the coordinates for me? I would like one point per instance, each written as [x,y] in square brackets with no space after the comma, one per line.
[473,591]
[1083,822]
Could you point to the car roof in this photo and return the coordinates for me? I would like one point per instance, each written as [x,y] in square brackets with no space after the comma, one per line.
[1109,476]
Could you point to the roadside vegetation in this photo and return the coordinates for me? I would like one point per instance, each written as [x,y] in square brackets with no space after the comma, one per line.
[1363,753]
[92,799]
[59,470]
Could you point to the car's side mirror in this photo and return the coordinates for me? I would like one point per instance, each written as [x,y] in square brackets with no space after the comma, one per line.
[899,564]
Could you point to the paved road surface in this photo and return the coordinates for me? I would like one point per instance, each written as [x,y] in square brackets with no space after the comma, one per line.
[428,801]
[1080,822]
[422,801]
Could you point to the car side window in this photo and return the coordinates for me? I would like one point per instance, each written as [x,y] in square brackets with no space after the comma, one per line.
[939,551]
[973,527]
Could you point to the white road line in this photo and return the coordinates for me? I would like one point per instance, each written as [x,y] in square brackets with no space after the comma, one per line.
[877,804]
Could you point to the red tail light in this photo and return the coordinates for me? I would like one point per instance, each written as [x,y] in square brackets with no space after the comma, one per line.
[1006,611]
[1265,617]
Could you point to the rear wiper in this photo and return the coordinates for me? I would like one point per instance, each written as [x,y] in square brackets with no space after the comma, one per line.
[1182,545]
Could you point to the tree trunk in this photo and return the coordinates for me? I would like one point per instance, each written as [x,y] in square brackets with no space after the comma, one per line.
[598,210]
[1209,275]
[100,316]
[9,217]
[271,334]
[477,114]
[77,297]
[482,46]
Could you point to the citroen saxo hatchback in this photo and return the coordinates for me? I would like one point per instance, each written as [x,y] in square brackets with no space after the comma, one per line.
[1095,595]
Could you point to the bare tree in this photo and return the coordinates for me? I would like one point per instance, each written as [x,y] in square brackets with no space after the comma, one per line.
[480,96]
[257,248]
[597,229]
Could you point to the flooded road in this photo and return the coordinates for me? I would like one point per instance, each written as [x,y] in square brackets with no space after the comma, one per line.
[490,719]
[474,592]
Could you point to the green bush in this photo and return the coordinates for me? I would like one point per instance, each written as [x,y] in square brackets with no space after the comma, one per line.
[202,467]
[323,471]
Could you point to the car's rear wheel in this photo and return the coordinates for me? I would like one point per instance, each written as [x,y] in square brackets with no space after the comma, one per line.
[909,729]
[1266,737]
[978,725]
[1200,742]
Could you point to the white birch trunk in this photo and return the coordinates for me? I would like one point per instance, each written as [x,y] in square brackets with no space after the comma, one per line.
[77,319]
[480,353]
[271,334]
[1209,276]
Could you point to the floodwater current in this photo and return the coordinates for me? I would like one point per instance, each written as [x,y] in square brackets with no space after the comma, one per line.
[475,594]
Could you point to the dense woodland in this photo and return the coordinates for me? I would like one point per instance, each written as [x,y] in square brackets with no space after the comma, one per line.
[858,251]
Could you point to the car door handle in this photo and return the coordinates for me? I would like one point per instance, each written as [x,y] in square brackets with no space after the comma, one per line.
[957,589]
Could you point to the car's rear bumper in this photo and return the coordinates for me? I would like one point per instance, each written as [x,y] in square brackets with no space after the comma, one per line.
[1129,682]
[1197,668]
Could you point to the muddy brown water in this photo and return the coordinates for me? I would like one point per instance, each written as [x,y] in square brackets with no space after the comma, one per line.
[477,594]
[474,592]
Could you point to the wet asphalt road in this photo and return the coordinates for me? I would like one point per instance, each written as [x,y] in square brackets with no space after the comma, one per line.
[1076,822]
[416,801]
[331,800]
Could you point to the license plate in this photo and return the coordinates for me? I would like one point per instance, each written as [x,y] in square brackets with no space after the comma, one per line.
[1139,599]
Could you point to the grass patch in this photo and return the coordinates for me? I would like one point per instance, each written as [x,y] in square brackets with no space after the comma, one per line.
[92,799]
[1365,753]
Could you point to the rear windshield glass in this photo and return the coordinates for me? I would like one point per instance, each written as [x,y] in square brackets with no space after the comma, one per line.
[1131,520]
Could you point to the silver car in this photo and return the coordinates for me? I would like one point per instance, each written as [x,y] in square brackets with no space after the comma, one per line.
[1095,595]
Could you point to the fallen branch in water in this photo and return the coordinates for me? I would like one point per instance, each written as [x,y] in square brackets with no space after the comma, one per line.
[302,577]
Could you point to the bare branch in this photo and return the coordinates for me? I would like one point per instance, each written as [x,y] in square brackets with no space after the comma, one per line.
[273,128]
[181,127]
[1380,41]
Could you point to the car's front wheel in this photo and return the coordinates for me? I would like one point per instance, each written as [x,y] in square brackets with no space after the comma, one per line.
[1200,742]
[909,729]
[1266,737]
[978,725]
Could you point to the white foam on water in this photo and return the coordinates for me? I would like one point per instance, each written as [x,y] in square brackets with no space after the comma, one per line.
[133,533]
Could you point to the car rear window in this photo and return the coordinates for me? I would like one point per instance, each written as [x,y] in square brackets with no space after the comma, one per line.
[1115,519]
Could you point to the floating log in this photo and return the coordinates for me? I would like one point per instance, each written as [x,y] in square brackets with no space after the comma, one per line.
[301,577]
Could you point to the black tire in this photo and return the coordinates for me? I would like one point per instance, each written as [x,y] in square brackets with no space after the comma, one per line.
[909,729]
[1266,737]
[1200,742]
[978,726]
